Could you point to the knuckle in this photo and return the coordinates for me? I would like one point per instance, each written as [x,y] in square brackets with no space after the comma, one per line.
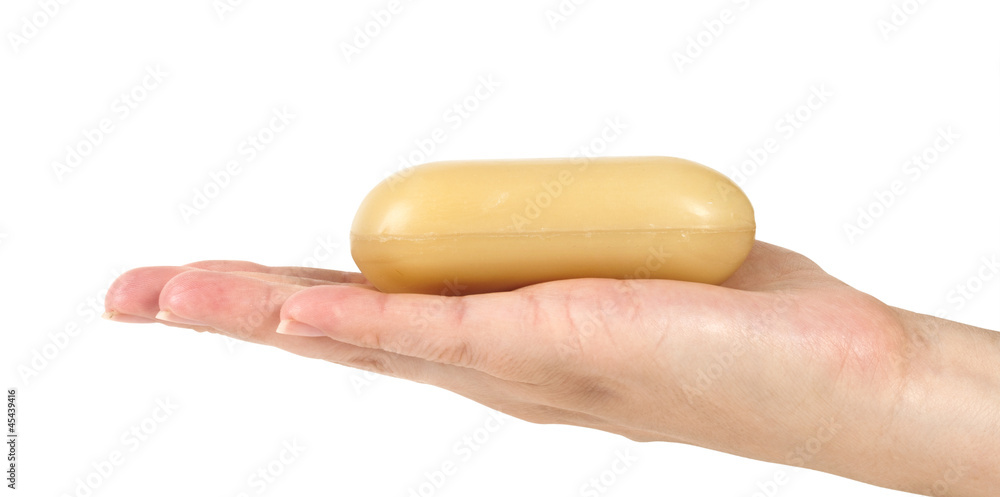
[577,389]
[588,315]
[445,346]
[459,308]
[534,316]
[456,354]
[625,301]
[379,363]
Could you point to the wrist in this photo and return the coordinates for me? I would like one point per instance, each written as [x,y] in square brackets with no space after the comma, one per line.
[943,431]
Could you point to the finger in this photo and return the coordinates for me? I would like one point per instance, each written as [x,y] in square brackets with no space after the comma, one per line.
[501,334]
[137,291]
[134,296]
[229,302]
[328,275]
[247,308]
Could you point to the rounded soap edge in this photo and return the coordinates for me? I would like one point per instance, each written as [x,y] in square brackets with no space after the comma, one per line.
[724,185]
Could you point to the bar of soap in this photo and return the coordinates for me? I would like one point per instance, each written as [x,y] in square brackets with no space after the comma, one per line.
[464,227]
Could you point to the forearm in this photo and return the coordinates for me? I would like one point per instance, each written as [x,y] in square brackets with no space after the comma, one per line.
[943,435]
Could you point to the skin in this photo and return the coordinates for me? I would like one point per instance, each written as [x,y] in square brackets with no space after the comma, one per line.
[781,363]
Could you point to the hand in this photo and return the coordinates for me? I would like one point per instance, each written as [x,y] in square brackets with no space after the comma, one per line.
[781,363]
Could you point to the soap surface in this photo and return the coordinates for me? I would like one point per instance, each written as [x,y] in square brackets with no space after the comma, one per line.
[464,227]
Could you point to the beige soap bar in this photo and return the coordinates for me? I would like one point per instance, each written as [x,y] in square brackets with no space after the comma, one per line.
[462,227]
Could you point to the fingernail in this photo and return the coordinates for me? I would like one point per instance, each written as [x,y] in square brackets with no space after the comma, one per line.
[289,327]
[173,318]
[125,318]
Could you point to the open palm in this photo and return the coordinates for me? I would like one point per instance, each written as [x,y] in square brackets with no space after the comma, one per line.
[781,363]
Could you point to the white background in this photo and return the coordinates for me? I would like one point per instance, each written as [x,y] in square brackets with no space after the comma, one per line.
[64,236]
